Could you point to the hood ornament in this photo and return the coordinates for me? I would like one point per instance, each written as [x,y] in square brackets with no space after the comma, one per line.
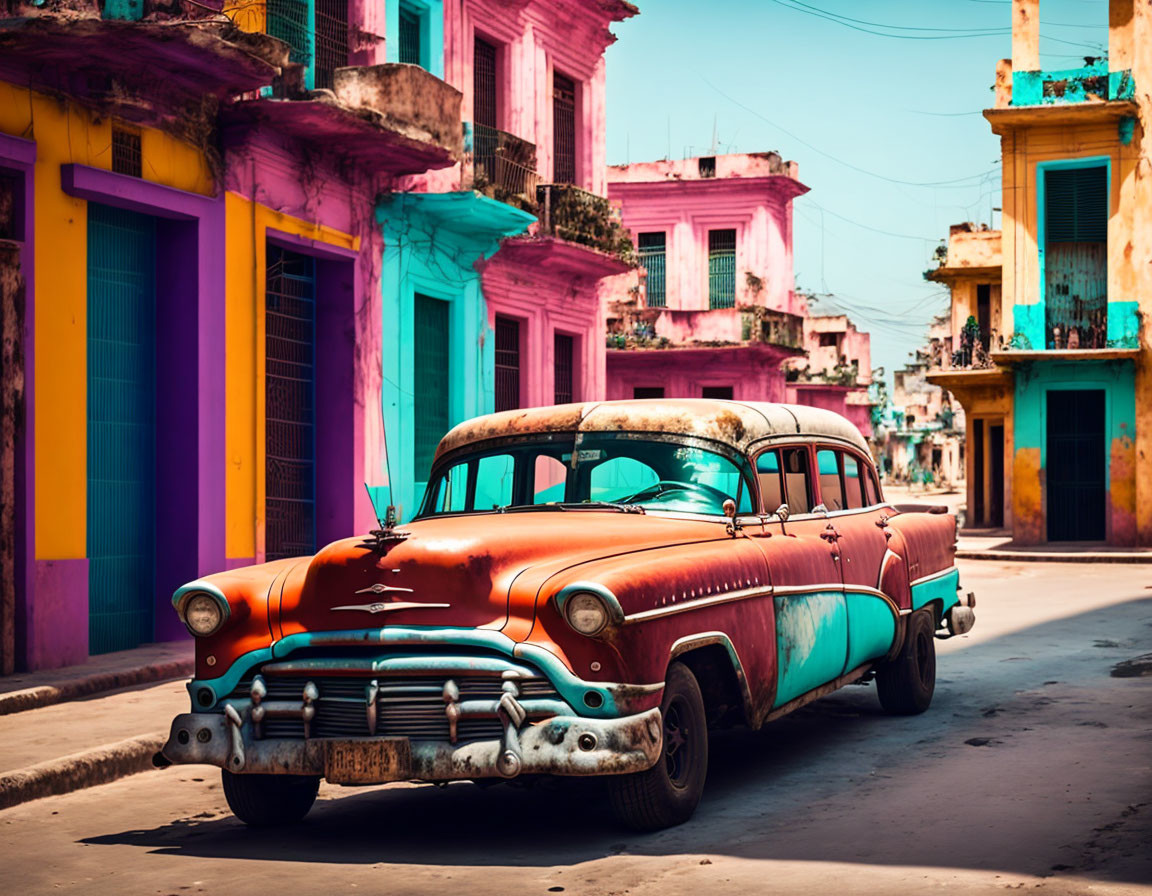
[380,607]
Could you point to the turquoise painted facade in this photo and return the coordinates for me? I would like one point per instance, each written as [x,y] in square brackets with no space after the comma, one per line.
[432,244]
[1029,326]
[1033,381]
[1071,85]
[431,13]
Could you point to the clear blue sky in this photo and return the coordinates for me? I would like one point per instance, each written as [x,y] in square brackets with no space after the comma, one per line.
[865,115]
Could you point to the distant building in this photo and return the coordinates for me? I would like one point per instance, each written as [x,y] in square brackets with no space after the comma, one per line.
[837,372]
[712,312]
[1062,387]
[961,361]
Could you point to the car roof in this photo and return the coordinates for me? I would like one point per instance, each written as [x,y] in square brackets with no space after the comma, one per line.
[738,424]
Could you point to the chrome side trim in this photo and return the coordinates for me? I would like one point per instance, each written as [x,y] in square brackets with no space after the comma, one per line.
[931,578]
[888,555]
[731,596]
[705,639]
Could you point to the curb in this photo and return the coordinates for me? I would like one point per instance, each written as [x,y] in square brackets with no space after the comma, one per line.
[1054,557]
[46,695]
[80,770]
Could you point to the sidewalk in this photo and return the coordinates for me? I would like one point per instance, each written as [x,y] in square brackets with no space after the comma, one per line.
[1001,547]
[65,729]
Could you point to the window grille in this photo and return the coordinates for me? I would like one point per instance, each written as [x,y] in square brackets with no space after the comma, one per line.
[563,129]
[290,405]
[651,247]
[11,195]
[507,364]
[331,40]
[721,268]
[126,155]
[410,37]
[562,359]
[484,84]
[288,21]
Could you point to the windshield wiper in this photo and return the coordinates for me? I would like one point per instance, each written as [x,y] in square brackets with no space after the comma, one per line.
[571,505]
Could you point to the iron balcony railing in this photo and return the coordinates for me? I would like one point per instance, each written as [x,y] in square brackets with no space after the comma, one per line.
[573,214]
[504,161]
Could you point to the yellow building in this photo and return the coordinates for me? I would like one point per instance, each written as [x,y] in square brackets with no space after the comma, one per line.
[1067,382]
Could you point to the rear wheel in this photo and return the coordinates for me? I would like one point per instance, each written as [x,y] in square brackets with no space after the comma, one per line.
[906,684]
[667,794]
[266,800]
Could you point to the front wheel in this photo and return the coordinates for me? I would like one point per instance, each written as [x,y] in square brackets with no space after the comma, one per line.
[667,794]
[906,684]
[266,800]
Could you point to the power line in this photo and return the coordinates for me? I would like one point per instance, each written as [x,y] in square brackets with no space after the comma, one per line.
[817,150]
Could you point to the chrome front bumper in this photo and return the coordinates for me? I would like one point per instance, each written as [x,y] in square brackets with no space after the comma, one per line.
[561,745]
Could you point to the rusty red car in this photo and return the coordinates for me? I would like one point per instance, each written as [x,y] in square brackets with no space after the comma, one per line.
[586,590]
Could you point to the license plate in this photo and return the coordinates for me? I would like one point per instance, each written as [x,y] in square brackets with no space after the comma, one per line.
[369,760]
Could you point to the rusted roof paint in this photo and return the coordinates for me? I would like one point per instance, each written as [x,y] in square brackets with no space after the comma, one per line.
[738,424]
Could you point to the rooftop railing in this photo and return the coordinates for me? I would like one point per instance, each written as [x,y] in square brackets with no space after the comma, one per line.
[578,216]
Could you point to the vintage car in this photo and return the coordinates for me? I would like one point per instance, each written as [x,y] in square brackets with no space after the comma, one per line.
[586,590]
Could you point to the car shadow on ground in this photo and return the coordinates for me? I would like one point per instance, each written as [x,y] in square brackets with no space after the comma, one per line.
[823,784]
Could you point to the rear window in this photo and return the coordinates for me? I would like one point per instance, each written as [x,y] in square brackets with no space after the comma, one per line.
[853,483]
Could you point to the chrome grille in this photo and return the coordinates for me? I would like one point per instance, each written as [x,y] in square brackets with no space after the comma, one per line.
[405,706]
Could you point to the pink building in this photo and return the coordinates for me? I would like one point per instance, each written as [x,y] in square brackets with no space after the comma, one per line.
[712,312]
[837,371]
[533,83]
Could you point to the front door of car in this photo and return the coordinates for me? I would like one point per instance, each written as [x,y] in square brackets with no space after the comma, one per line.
[854,525]
[807,585]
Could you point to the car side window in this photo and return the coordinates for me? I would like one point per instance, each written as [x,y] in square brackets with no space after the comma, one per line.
[771,478]
[828,467]
[853,483]
[494,478]
[797,485]
[872,489]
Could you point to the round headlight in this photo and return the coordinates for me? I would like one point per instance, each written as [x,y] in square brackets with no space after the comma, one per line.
[586,613]
[203,614]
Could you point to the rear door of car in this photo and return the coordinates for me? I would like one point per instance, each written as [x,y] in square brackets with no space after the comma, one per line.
[807,585]
[848,489]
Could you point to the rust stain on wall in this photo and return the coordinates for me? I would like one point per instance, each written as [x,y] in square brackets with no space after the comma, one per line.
[1027,496]
[1122,492]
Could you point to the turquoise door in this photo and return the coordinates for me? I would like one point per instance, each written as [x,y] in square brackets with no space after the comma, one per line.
[121,428]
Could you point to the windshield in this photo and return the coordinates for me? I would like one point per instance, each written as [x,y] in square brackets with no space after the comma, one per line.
[609,468]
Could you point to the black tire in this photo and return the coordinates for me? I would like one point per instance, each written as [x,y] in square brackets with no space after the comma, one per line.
[667,794]
[906,684]
[267,800]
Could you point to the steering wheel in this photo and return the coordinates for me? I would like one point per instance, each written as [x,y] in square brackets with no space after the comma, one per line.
[656,489]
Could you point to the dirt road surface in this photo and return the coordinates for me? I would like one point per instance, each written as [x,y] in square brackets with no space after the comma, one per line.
[1031,771]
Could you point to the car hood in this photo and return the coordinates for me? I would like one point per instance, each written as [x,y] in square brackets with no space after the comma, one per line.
[456,570]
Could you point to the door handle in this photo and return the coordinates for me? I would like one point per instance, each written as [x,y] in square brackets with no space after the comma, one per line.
[830,534]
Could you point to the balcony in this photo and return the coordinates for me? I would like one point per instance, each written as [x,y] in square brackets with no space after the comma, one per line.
[772,327]
[1091,83]
[677,328]
[502,164]
[392,119]
[577,216]
[110,57]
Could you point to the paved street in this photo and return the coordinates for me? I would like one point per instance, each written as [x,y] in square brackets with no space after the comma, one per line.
[1031,771]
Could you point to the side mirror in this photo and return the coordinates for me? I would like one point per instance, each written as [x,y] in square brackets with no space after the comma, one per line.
[821,508]
[729,508]
[783,512]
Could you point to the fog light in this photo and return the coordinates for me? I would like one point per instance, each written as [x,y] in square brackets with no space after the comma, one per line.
[586,742]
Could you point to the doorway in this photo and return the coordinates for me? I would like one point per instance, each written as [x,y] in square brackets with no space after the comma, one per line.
[121,426]
[1076,464]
